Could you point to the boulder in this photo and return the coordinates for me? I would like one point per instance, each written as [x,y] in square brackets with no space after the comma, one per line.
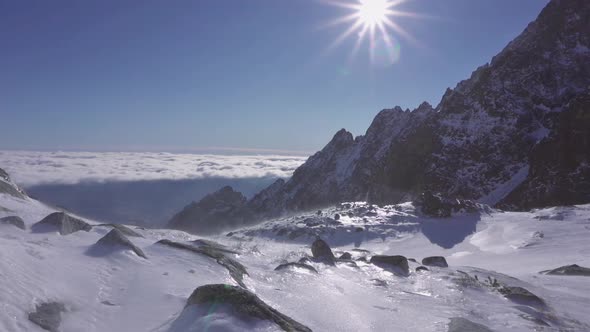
[398,264]
[48,315]
[299,265]
[570,270]
[459,324]
[322,251]
[336,217]
[244,304]
[61,222]
[346,256]
[435,261]
[521,296]
[123,229]
[114,240]
[422,268]
[13,220]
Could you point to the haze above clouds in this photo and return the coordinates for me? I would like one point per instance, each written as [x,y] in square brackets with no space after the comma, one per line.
[34,168]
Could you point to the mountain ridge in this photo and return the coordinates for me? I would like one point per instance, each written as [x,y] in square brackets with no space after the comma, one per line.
[483,141]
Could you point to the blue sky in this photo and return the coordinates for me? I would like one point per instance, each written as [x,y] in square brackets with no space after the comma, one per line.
[207,75]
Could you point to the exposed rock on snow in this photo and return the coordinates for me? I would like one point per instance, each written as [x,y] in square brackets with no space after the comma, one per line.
[397,264]
[62,222]
[459,324]
[435,261]
[321,251]
[297,265]
[244,303]
[13,220]
[48,315]
[345,255]
[114,240]
[8,187]
[123,229]
[422,268]
[235,268]
[521,295]
[570,270]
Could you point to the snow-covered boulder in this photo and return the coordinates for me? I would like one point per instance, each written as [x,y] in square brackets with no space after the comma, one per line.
[61,222]
[114,240]
[13,220]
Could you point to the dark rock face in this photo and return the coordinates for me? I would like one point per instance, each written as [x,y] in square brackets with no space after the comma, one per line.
[13,220]
[435,261]
[570,270]
[115,239]
[244,303]
[48,315]
[8,187]
[559,165]
[214,213]
[521,296]
[459,324]
[516,135]
[346,256]
[123,229]
[322,251]
[61,222]
[299,265]
[236,270]
[399,264]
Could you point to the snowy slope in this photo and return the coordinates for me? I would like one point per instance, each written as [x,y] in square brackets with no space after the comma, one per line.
[123,292]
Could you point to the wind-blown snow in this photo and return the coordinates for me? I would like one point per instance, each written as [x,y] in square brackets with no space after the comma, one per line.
[123,292]
[34,168]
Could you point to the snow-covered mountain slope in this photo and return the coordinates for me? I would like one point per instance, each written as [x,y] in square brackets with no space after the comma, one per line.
[108,287]
[515,134]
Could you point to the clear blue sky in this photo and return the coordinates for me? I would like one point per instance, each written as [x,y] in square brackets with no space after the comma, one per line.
[256,74]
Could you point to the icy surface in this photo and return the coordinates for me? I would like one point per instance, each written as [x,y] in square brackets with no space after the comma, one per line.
[123,292]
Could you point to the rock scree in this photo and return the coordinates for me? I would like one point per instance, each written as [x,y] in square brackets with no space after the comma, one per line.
[244,303]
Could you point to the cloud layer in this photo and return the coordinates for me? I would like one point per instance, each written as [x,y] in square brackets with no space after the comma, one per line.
[32,168]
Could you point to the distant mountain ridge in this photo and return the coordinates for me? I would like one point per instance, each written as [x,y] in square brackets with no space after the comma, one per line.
[516,134]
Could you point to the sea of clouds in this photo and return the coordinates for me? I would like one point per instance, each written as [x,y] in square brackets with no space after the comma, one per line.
[36,168]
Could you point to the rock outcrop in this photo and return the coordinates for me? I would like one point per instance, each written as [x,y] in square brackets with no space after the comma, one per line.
[569,270]
[13,220]
[115,240]
[397,264]
[48,315]
[321,251]
[245,305]
[223,209]
[8,187]
[435,261]
[61,222]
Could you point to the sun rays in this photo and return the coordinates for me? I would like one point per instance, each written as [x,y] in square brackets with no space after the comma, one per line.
[372,20]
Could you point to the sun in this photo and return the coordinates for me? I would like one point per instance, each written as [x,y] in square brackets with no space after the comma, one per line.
[373,20]
[373,12]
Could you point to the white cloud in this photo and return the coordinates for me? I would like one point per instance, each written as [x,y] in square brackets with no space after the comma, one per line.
[31,168]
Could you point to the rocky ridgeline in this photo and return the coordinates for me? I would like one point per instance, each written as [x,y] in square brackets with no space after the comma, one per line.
[515,135]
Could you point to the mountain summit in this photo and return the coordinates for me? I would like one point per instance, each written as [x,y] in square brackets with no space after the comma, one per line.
[516,134]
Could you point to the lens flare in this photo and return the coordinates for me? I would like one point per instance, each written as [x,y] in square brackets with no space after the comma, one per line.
[372,20]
